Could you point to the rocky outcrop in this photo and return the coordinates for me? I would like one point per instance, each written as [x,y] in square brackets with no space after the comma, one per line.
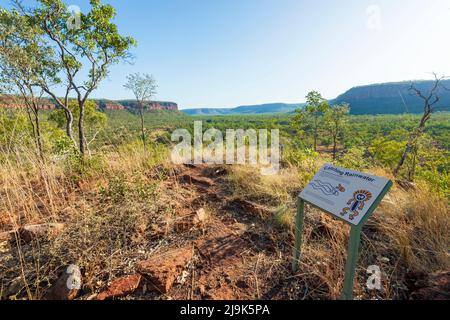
[113,106]
[170,106]
[392,98]
[11,103]
[132,105]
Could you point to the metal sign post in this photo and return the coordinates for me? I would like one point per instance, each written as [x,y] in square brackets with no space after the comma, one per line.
[349,196]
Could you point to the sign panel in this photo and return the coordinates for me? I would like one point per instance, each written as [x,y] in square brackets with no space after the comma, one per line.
[345,193]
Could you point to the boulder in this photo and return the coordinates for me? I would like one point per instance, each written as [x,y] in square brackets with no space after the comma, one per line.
[121,287]
[162,270]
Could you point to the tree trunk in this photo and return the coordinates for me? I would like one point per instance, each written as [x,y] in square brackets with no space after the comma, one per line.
[316,121]
[412,143]
[412,170]
[32,107]
[81,135]
[69,125]
[335,139]
[315,139]
[33,127]
[141,111]
[65,106]
[334,148]
[38,135]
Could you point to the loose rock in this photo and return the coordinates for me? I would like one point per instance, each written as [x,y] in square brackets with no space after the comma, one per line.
[162,270]
[121,287]
[31,232]
[200,216]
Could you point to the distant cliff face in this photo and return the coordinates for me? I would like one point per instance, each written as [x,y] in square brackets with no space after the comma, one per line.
[11,103]
[132,105]
[45,104]
[111,106]
[392,98]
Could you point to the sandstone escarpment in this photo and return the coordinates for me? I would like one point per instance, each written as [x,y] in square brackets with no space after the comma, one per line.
[17,103]
[132,105]
[11,102]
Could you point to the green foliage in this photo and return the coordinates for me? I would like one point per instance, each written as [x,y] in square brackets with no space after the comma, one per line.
[385,152]
[354,158]
[25,58]
[430,164]
[335,119]
[94,119]
[80,168]
[117,189]
[43,45]
[95,43]
[15,130]
[370,141]
[121,188]
[57,141]
[311,117]
[299,156]
[437,180]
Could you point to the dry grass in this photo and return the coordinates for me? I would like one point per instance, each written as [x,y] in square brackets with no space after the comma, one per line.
[121,208]
[274,190]
[111,213]
[409,232]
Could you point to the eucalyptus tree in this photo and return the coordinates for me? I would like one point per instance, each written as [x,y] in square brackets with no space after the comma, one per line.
[85,46]
[310,117]
[143,87]
[24,59]
[335,118]
[430,99]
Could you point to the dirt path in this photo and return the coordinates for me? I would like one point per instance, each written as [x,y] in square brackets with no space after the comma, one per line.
[220,270]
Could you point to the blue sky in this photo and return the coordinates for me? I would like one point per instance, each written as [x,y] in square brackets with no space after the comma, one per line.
[225,53]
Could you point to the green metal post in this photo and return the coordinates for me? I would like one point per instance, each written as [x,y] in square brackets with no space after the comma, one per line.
[352,259]
[298,234]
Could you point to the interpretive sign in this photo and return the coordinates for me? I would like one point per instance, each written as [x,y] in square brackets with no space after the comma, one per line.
[344,193]
[348,195]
